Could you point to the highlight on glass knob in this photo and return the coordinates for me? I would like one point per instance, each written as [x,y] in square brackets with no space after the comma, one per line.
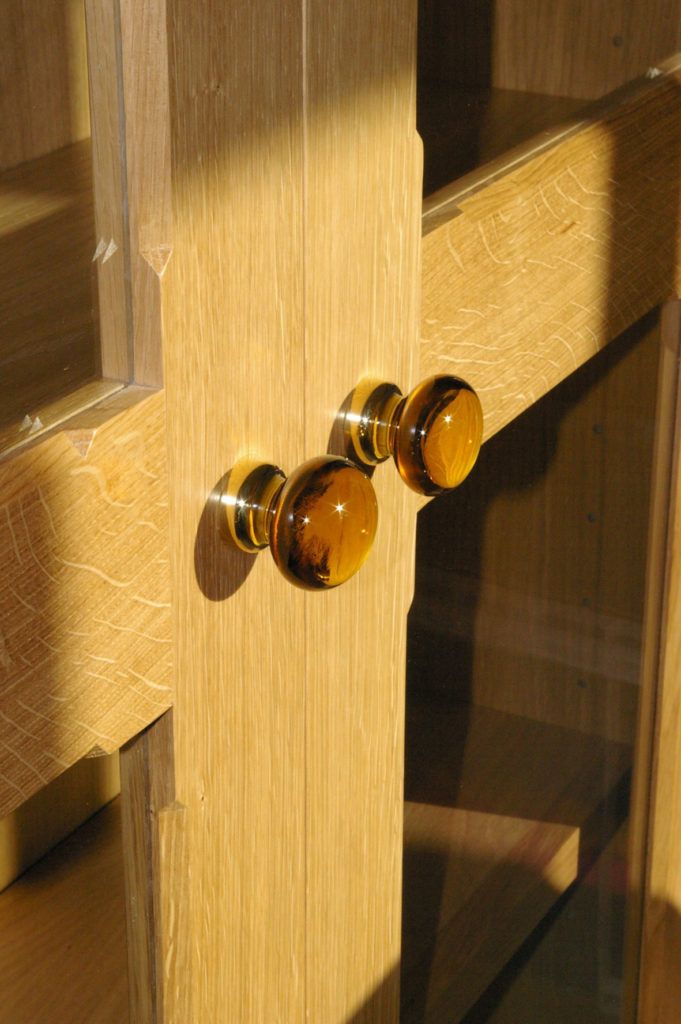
[319,522]
[434,434]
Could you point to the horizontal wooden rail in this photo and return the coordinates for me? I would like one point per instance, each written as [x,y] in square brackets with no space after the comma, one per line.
[535,262]
[85,625]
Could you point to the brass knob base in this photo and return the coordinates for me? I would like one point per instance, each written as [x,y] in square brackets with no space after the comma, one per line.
[248,501]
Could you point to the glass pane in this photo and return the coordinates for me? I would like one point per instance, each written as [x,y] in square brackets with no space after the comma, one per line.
[524,690]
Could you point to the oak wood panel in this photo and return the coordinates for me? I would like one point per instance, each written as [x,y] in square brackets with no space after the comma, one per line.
[362,229]
[279,252]
[85,649]
[147,793]
[47,332]
[534,265]
[43,416]
[232,940]
[43,78]
[62,933]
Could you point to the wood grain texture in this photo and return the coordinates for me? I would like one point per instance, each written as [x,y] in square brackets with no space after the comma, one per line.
[530,269]
[659,991]
[43,78]
[62,933]
[233,330]
[502,814]
[84,626]
[146,791]
[362,227]
[287,282]
[47,333]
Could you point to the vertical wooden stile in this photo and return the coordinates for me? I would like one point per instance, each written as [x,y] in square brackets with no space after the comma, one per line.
[295,185]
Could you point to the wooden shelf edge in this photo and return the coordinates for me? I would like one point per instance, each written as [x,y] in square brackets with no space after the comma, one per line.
[481,871]
[542,862]
[441,205]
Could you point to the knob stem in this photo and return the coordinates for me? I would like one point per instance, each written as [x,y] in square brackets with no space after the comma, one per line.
[249,499]
[373,420]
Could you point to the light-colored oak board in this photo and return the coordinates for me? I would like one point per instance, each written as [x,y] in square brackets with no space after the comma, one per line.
[62,932]
[233,330]
[501,814]
[54,812]
[147,793]
[130,135]
[530,271]
[362,229]
[47,335]
[43,78]
[85,657]
[286,282]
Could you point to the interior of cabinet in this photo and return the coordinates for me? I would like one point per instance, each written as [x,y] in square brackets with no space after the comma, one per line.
[62,932]
[526,635]
[494,74]
[49,352]
[524,684]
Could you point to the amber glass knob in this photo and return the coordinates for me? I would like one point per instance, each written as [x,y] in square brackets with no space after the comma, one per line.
[319,522]
[434,434]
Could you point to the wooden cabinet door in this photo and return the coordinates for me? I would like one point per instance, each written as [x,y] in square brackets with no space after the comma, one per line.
[260,162]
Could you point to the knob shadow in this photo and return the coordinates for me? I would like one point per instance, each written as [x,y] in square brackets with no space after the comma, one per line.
[220,567]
